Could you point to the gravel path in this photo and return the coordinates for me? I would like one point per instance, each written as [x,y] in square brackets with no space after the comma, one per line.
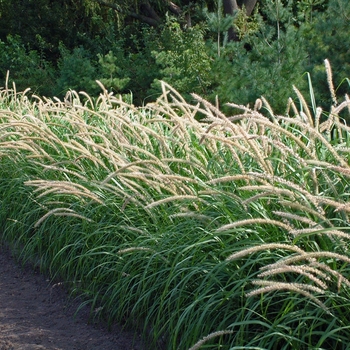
[35,314]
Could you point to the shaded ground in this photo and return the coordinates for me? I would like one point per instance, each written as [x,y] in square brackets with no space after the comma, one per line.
[35,314]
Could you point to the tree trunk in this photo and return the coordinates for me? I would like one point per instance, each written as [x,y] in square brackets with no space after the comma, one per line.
[152,18]
[148,9]
[249,6]
[230,7]
[148,14]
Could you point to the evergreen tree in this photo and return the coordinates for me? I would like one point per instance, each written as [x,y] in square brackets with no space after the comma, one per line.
[266,62]
[328,38]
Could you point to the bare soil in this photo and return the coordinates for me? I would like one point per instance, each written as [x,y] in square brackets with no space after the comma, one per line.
[36,314]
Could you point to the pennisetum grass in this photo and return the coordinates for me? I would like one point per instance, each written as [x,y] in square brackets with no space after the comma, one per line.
[225,233]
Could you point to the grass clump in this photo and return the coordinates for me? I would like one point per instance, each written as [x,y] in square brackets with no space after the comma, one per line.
[227,233]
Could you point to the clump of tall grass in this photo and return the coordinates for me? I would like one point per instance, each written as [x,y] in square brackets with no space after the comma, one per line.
[228,232]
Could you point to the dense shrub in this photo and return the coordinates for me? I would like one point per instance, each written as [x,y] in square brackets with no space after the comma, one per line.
[183,58]
[76,71]
[328,38]
[27,67]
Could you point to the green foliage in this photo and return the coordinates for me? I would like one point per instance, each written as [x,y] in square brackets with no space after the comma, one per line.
[76,71]
[182,58]
[264,63]
[307,10]
[73,23]
[219,24]
[246,25]
[327,37]
[111,73]
[28,68]
[137,42]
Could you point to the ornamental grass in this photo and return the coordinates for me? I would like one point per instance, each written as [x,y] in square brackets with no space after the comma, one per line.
[198,229]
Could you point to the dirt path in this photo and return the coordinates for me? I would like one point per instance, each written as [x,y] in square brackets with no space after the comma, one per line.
[35,315]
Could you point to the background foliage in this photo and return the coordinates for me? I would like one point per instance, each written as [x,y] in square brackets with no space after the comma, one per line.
[55,46]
